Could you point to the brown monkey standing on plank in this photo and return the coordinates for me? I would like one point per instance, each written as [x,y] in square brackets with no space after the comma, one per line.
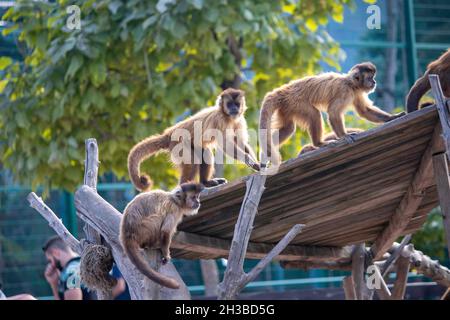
[226,116]
[301,101]
[441,67]
[150,220]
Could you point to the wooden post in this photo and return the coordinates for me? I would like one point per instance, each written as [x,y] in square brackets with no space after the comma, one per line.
[90,179]
[441,175]
[443,110]
[403,264]
[358,272]
[349,288]
[210,275]
[235,279]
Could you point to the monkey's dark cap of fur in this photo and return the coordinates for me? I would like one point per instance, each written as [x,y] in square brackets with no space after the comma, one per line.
[233,93]
[192,187]
[365,67]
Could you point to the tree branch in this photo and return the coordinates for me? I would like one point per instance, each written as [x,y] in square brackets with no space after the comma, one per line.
[54,222]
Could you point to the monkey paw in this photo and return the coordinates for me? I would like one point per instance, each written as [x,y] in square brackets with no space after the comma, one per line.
[214,182]
[398,115]
[256,166]
[165,260]
[350,137]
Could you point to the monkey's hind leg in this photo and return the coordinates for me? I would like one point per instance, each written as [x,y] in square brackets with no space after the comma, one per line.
[207,170]
[168,229]
[312,119]
[284,133]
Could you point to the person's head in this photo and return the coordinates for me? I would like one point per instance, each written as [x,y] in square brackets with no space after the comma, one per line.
[57,252]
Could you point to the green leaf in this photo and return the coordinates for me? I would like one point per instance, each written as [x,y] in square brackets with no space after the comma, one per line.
[4,62]
[75,63]
[114,6]
[3,84]
[97,72]
[197,4]
[149,21]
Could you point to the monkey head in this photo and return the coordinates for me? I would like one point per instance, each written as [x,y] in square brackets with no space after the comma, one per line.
[363,76]
[187,196]
[232,102]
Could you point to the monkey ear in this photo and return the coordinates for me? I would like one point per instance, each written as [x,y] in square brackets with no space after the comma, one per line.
[179,194]
[356,76]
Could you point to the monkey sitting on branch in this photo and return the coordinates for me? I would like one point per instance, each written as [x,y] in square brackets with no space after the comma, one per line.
[301,101]
[150,220]
[441,67]
[198,135]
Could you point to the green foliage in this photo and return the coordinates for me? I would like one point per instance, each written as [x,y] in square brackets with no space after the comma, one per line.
[134,67]
[431,238]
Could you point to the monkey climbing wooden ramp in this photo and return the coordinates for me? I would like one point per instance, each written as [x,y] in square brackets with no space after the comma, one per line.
[371,190]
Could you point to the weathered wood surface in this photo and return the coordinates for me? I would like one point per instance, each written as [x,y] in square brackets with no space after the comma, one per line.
[441,175]
[344,193]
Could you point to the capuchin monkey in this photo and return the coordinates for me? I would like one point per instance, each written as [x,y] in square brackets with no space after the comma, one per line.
[150,220]
[441,67]
[301,101]
[226,116]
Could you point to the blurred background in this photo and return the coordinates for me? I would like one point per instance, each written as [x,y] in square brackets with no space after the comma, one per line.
[135,67]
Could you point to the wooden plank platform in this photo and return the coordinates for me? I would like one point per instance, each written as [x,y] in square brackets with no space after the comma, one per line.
[344,193]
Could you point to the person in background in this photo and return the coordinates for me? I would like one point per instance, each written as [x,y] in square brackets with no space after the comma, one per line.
[63,271]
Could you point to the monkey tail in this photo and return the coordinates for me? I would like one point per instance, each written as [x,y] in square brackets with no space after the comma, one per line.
[132,251]
[265,133]
[141,151]
[420,87]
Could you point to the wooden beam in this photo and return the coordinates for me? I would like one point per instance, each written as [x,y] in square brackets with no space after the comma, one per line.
[308,265]
[410,202]
[403,264]
[219,248]
[441,174]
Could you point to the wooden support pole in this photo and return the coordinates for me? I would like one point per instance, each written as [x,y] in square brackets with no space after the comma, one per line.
[235,279]
[210,276]
[91,164]
[441,105]
[441,175]
[90,179]
[383,292]
[358,272]
[446,295]
[349,288]
[398,292]
[410,202]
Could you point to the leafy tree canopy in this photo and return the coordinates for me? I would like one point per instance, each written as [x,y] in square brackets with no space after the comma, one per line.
[136,67]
